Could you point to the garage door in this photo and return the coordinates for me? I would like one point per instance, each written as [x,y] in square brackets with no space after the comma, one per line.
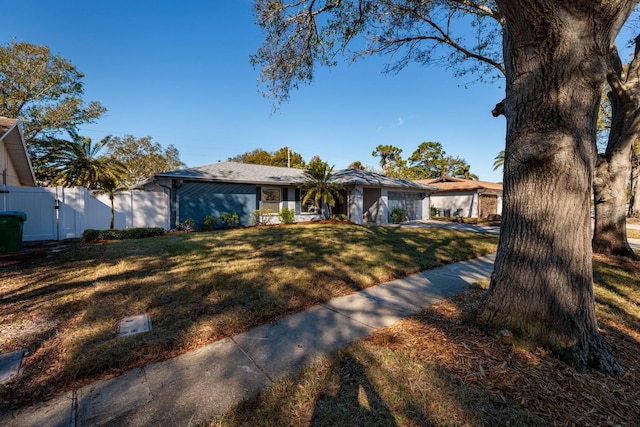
[411,202]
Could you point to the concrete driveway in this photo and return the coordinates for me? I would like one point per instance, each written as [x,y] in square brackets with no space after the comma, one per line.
[422,223]
[634,243]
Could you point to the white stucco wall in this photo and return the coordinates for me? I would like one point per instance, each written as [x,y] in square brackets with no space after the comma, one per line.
[7,168]
[468,202]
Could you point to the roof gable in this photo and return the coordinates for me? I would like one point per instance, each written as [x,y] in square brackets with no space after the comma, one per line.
[11,137]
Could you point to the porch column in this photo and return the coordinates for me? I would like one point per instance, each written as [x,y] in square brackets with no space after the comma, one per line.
[355,206]
[426,207]
[384,207]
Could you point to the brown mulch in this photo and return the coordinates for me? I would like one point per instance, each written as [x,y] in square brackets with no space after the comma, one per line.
[534,381]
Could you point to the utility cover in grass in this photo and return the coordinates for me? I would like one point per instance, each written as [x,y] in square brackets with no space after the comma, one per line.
[131,325]
[10,365]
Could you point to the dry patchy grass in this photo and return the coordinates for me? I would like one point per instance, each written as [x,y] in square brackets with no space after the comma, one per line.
[435,369]
[633,233]
[197,288]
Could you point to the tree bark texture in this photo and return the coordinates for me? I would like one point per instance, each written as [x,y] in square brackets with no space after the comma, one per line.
[610,197]
[613,168]
[634,202]
[541,289]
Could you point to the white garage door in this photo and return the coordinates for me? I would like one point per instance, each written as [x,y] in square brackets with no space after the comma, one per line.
[411,202]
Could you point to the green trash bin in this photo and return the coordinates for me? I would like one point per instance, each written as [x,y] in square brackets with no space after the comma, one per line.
[11,224]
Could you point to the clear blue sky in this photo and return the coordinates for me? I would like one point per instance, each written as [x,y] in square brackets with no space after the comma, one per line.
[180,73]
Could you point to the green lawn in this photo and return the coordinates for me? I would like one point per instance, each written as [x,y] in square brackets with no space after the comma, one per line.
[197,288]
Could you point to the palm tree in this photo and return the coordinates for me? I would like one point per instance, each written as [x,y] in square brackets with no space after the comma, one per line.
[464,171]
[110,184]
[76,162]
[356,165]
[318,186]
[499,160]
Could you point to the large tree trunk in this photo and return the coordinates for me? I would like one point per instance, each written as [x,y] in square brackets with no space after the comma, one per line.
[610,196]
[541,289]
[634,202]
[613,168]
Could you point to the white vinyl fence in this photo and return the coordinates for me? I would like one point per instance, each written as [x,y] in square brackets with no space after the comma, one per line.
[60,213]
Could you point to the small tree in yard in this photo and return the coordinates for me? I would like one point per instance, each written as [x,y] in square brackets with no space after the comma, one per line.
[318,186]
[110,184]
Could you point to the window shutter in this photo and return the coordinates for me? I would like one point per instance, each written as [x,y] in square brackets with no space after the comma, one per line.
[258,197]
[285,194]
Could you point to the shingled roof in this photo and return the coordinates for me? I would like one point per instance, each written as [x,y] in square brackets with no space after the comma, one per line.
[274,175]
[365,178]
[240,173]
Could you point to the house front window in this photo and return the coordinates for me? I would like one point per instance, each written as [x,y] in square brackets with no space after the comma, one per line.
[271,198]
[309,207]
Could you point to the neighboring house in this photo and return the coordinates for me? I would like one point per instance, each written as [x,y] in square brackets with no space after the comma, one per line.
[15,165]
[465,197]
[242,188]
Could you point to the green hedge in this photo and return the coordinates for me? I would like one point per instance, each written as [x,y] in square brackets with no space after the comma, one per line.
[127,233]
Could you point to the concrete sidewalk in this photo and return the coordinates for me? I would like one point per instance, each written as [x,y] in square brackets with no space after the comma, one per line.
[209,381]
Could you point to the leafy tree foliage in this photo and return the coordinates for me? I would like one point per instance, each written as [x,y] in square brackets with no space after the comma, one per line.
[283,157]
[318,186]
[256,157]
[43,90]
[286,158]
[409,31]
[429,160]
[356,165]
[142,157]
[391,160]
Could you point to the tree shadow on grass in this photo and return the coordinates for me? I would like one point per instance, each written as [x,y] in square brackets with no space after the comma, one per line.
[356,402]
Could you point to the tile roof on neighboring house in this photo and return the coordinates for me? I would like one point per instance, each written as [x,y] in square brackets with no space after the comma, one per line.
[448,183]
[11,136]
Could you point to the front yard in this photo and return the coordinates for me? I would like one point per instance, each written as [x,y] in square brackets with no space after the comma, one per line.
[196,287]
